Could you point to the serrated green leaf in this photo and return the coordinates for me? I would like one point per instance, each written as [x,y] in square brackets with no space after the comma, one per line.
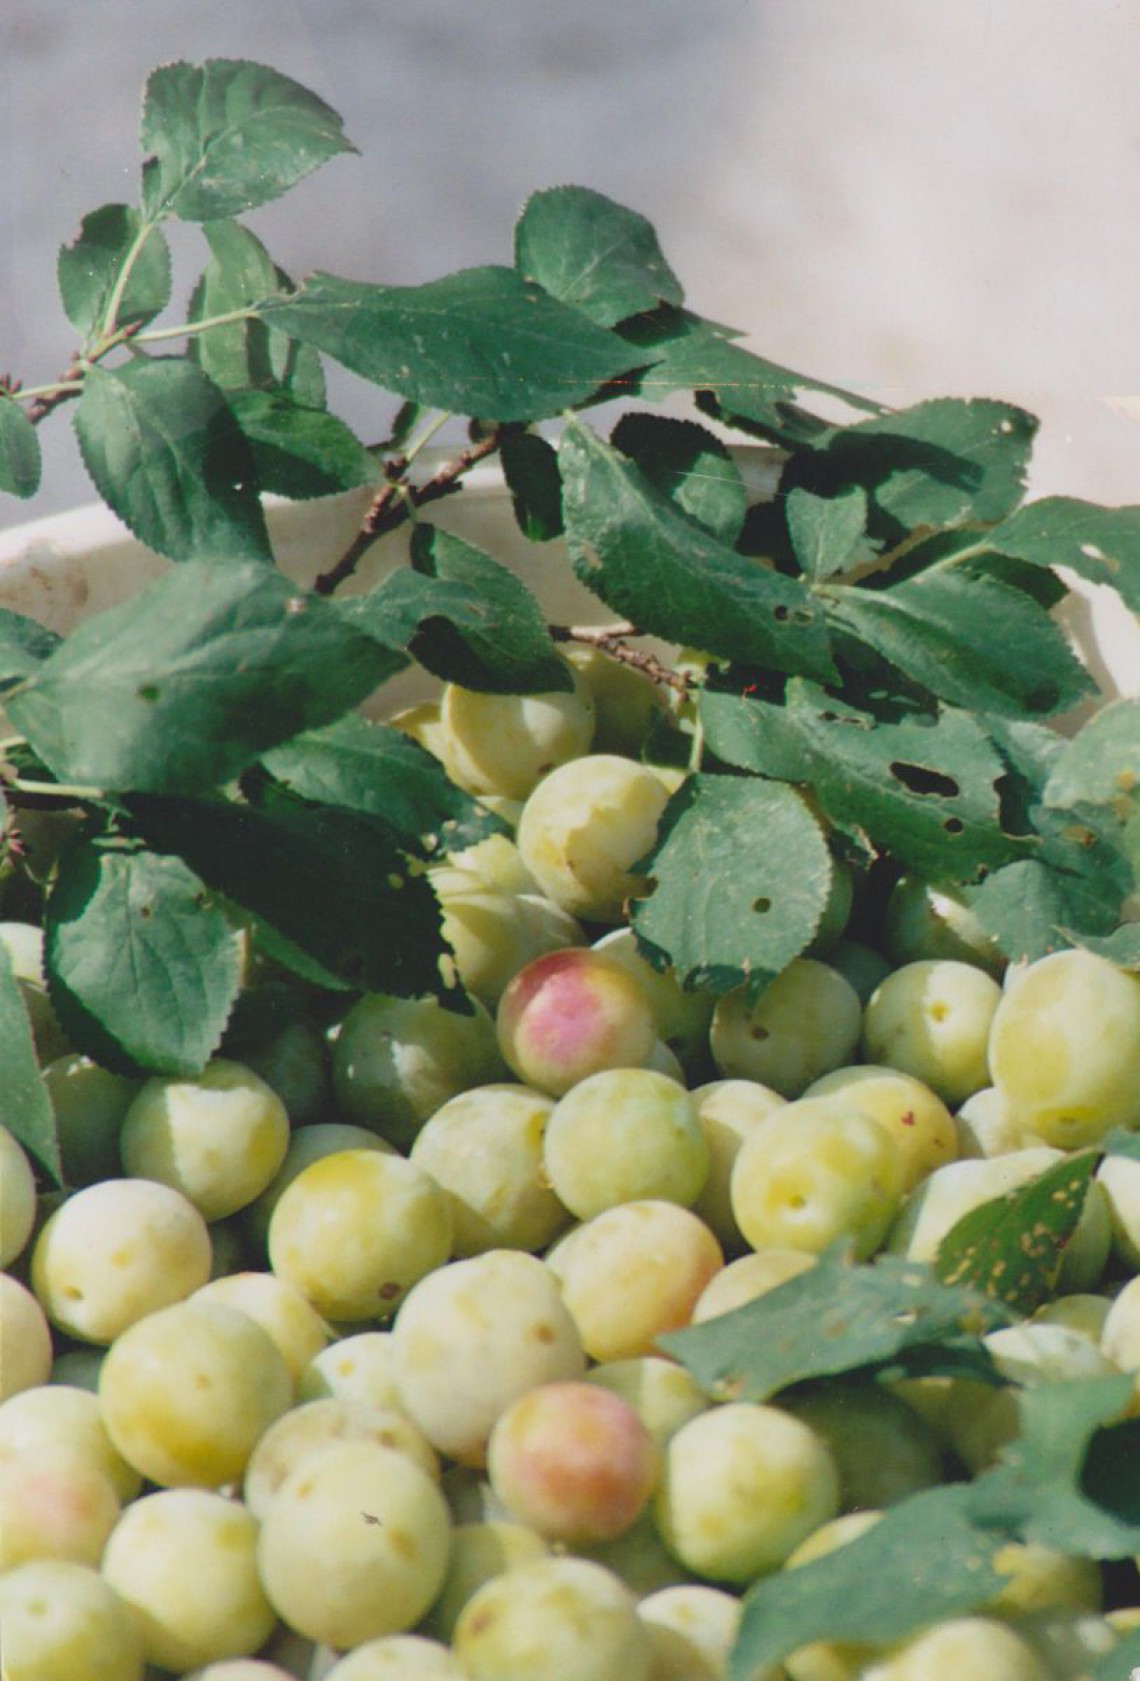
[583,248]
[968,639]
[741,874]
[20,459]
[25,1107]
[648,561]
[24,645]
[930,1543]
[831,1319]
[479,342]
[167,456]
[680,351]
[337,885]
[828,533]
[690,466]
[464,617]
[180,687]
[223,136]
[1033,907]
[143,964]
[1068,1479]
[90,268]
[375,768]
[530,469]
[298,451]
[924,789]
[1101,544]
[1012,1247]
[248,354]
[1101,764]
[753,734]
[940,462]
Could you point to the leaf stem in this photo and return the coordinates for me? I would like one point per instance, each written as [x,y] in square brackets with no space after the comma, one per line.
[56,790]
[118,292]
[188,329]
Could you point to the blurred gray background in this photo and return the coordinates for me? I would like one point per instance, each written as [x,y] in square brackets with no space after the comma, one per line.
[901,195]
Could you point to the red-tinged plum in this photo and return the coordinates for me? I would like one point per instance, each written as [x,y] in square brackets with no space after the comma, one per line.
[573,1461]
[570,1014]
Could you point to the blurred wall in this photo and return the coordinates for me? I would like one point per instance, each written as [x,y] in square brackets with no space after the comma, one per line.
[900,195]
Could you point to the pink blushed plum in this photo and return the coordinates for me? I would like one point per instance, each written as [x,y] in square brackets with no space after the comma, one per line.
[573,1461]
[573,1013]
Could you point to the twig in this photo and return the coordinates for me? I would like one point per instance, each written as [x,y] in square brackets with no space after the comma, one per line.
[398,501]
[612,640]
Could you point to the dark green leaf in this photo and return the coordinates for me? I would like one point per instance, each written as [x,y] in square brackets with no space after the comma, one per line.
[337,885]
[298,451]
[20,460]
[223,136]
[831,1319]
[530,468]
[924,789]
[1032,907]
[464,617]
[1101,544]
[24,645]
[742,874]
[828,532]
[479,342]
[183,685]
[753,734]
[248,354]
[938,463]
[930,1544]
[683,352]
[583,248]
[1102,763]
[90,268]
[143,964]
[649,561]
[690,466]
[374,768]
[968,639]
[25,1110]
[1012,1247]
[1068,1479]
[166,455]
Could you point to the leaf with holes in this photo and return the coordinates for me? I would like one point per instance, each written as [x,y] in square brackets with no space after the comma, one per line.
[1100,544]
[924,788]
[583,248]
[229,134]
[741,875]
[834,1318]
[1012,1247]
[142,962]
[647,560]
